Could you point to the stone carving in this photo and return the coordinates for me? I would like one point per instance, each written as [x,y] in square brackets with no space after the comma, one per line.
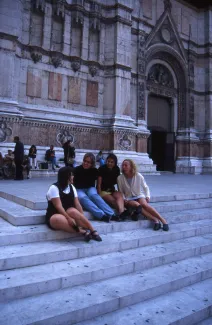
[162,91]
[167,5]
[124,142]
[166,34]
[56,61]
[141,54]
[59,7]
[159,74]
[141,102]
[39,4]
[4,131]
[191,111]
[36,57]
[75,65]
[64,136]
[77,17]
[93,70]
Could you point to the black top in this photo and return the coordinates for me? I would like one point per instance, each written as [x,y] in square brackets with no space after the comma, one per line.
[32,152]
[109,177]
[68,151]
[49,153]
[67,201]
[19,151]
[85,178]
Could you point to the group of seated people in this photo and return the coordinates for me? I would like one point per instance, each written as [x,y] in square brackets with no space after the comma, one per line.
[76,190]
[7,165]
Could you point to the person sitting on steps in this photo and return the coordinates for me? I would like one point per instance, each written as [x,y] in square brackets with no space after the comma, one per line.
[50,156]
[32,156]
[64,211]
[137,195]
[85,177]
[107,179]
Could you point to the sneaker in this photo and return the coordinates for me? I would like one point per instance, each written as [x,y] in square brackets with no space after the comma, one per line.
[157,226]
[105,219]
[166,227]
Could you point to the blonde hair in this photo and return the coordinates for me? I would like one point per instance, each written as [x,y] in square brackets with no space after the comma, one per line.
[132,165]
[92,158]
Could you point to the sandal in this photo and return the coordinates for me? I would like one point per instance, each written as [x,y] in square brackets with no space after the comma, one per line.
[87,235]
[95,236]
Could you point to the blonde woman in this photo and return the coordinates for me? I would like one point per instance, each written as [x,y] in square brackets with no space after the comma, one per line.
[137,195]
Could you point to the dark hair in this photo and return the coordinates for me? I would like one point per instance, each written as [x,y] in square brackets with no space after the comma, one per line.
[16,138]
[92,158]
[112,156]
[63,176]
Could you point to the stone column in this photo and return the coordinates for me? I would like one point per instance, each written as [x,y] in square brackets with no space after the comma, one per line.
[207,161]
[67,33]
[85,37]
[11,25]
[47,27]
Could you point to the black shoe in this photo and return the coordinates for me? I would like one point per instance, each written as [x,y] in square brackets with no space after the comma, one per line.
[105,219]
[124,215]
[115,218]
[157,226]
[57,166]
[134,216]
[166,227]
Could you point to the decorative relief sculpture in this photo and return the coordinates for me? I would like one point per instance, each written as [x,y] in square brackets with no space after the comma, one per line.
[75,65]
[56,61]
[36,57]
[141,102]
[167,5]
[124,142]
[39,4]
[59,7]
[93,70]
[64,136]
[4,131]
[191,111]
[159,74]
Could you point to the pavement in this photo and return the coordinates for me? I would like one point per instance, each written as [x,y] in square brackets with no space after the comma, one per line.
[162,185]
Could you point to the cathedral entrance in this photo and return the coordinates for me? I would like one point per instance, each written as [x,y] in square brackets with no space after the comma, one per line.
[161,142]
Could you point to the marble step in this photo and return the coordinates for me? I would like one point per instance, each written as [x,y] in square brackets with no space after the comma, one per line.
[29,254]
[10,235]
[187,306]
[81,303]
[38,203]
[30,281]
[19,215]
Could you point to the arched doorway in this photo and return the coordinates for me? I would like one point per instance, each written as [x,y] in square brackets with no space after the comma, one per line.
[161,142]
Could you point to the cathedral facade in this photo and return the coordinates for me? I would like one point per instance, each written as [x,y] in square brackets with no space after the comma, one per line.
[132,77]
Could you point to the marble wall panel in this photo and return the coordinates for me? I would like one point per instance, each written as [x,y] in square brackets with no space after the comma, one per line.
[92,93]
[55,86]
[147,8]
[34,83]
[74,90]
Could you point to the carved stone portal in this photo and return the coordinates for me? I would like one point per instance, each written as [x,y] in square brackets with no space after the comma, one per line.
[4,131]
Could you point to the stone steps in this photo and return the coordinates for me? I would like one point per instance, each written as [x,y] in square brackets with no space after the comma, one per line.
[29,254]
[84,302]
[185,306]
[20,215]
[29,281]
[10,235]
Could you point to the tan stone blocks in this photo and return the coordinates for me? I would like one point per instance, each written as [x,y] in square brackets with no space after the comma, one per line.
[92,93]
[34,83]
[55,86]
[74,90]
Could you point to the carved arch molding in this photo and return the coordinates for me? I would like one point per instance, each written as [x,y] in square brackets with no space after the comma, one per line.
[160,82]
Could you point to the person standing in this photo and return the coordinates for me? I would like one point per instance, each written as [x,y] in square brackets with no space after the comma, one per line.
[18,158]
[69,153]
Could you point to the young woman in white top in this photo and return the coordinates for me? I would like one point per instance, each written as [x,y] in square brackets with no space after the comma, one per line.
[137,195]
[64,211]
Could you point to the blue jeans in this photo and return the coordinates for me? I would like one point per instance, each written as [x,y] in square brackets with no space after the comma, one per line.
[53,161]
[92,202]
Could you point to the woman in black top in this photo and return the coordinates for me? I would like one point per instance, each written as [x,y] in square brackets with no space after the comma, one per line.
[85,177]
[107,179]
[32,155]
[64,211]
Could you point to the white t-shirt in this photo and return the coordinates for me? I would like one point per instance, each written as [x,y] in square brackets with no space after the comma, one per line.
[53,192]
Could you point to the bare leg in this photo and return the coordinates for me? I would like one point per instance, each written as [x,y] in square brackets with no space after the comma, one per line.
[151,210]
[148,215]
[59,222]
[80,219]
[115,200]
[110,200]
